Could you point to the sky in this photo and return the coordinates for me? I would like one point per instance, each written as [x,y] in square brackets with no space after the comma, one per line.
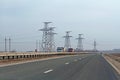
[96,19]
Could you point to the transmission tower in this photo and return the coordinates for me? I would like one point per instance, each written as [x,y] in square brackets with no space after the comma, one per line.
[45,36]
[36,46]
[48,43]
[67,40]
[80,45]
[5,44]
[95,44]
[9,44]
[51,44]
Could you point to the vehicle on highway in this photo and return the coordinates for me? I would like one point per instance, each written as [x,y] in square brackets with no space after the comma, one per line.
[60,49]
[70,50]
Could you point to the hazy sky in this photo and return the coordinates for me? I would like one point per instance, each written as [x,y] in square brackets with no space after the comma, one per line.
[96,19]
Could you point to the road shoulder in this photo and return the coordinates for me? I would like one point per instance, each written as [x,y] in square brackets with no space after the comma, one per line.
[115,64]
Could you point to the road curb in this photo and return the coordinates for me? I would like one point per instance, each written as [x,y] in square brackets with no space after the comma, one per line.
[106,58]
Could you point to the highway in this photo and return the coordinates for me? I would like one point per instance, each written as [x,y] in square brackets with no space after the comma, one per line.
[80,67]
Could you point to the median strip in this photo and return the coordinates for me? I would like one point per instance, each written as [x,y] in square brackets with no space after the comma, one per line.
[33,60]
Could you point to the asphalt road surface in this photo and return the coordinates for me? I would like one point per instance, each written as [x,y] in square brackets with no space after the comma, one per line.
[87,67]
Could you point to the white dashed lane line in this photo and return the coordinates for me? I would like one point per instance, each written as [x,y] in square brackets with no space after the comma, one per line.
[67,63]
[50,70]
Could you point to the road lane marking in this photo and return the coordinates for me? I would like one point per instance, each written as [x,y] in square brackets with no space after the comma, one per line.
[48,71]
[67,63]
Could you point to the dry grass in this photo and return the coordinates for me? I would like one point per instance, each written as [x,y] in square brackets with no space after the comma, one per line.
[114,60]
[116,57]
